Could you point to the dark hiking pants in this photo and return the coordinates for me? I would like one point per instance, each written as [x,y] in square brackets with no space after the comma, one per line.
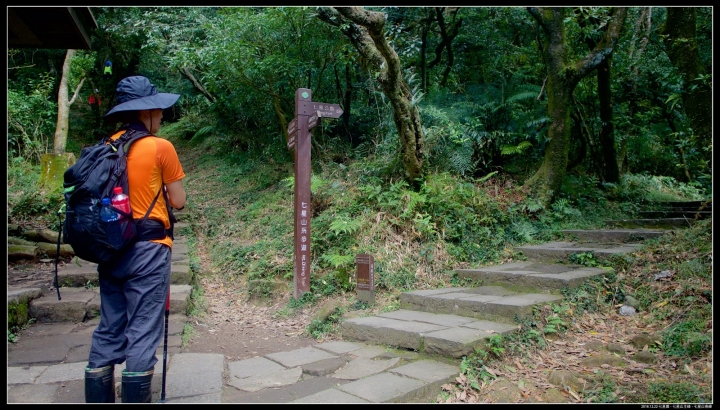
[133,292]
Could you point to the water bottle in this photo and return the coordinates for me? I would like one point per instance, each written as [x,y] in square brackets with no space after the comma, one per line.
[121,202]
[106,213]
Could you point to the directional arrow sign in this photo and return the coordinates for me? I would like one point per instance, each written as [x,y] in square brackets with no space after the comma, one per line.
[323,110]
[292,127]
[312,121]
[291,140]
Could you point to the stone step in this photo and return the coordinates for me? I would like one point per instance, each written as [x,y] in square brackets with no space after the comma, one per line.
[689,213]
[438,334]
[80,304]
[561,251]
[686,204]
[613,235]
[81,273]
[531,276]
[493,303]
[654,223]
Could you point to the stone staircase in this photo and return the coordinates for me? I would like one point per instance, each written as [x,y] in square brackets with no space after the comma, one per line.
[668,215]
[80,297]
[454,321]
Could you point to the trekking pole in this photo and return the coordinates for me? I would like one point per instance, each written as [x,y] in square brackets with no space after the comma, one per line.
[57,253]
[167,315]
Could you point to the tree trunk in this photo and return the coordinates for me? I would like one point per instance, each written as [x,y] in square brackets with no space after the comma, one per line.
[61,130]
[447,34]
[366,33]
[563,76]
[423,57]
[609,162]
[681,47]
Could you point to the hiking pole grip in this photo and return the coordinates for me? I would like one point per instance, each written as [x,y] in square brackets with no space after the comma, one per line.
[165,348]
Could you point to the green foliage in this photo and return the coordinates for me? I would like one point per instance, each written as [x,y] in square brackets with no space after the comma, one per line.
[651,188]
[554,324]
[683,392]
[512,149]
[603,389]
[187,334]
[318,329]
[32,116]
[687,338]
[307,299]
[26,201]
[345,225]
[15,328]
[197,305]
[584,259]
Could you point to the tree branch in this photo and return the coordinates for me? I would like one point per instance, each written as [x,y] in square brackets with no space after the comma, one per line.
[77,90]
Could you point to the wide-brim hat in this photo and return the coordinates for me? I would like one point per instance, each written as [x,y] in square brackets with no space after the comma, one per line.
[137,93]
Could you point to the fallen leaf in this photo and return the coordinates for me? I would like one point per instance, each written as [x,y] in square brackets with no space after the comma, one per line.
[573,394]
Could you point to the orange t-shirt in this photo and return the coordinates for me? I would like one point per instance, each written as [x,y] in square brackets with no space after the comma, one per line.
[151,163]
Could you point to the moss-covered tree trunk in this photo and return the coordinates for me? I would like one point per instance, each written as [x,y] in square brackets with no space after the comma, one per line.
[563,77]
[53,165]
[61,130]
[365,29]
[682,49]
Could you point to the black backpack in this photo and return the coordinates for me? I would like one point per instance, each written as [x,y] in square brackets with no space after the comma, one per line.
[101,168]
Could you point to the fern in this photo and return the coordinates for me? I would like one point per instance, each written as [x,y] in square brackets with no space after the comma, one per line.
[519,149]
[525,95]
[336,260]
[202,133]
[413,200]
[344,224]
[315,183]
[486,177]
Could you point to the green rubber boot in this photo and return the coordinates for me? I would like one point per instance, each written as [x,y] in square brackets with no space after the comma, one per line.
[136,386]
[100,385]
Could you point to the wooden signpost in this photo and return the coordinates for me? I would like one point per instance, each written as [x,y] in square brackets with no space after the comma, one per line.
[365,278]
[307,114]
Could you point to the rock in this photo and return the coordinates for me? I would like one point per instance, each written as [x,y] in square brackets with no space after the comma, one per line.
[662,275]
[644,356]
[595,345]
[554,396]
[616,348]
[644,339]
[502,391]
[601,359]
[631,301]
[627,310]
[562,378]
[327,309]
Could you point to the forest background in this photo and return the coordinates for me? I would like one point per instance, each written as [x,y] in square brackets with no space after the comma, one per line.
[466,130]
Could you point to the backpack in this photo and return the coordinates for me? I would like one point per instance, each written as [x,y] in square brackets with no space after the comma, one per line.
[102,167]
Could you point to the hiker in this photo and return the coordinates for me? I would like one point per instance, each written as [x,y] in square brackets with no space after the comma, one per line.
[134,288]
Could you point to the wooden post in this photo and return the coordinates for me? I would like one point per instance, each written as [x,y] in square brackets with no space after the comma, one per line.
[307,114]
[365,278]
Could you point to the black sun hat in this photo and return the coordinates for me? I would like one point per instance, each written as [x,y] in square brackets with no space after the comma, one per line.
[137,93]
